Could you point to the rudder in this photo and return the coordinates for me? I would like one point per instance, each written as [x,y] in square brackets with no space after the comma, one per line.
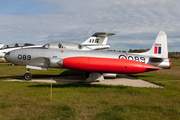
[159,48]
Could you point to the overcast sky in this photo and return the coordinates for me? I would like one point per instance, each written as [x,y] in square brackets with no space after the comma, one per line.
[136,23]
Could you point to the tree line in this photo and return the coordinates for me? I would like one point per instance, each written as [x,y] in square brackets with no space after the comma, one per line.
[175,55]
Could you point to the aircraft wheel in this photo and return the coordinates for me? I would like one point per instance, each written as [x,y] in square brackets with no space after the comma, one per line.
[28,76]
[87,74]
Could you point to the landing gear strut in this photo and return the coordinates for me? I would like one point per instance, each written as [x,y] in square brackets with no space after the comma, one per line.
[94,77]
[28,76]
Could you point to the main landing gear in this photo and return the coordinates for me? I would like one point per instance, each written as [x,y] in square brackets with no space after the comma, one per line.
[94,77]
[28,76]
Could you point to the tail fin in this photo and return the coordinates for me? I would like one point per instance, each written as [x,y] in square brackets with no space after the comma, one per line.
[159,49]
[97,41]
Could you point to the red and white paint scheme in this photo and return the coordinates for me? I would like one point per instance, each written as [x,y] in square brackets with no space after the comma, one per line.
[92,61]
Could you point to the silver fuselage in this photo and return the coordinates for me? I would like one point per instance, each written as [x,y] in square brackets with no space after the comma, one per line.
[43,57]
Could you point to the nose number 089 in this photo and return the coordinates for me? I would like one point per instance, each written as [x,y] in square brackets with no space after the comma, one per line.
[24,57]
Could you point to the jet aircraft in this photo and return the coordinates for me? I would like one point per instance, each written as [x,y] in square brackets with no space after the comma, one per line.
[92,61]
[96,42]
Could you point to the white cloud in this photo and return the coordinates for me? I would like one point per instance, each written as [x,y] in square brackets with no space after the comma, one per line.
[135,22]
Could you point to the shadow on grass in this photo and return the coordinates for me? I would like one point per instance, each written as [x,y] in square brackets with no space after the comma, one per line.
[43,75]
[11,77]
[70,85]
[64,73]
[22,77]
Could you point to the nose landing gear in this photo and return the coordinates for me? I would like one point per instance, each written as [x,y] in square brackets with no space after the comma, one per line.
[28,76]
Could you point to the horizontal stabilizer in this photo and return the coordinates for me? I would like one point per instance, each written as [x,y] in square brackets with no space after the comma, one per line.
[101,34]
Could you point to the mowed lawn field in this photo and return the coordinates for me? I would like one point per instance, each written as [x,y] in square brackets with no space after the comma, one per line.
[31,101]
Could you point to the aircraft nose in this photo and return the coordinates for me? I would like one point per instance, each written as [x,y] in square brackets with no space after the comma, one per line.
[7,55]
[2,55]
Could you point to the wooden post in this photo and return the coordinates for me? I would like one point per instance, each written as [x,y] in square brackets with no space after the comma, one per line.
[51,90]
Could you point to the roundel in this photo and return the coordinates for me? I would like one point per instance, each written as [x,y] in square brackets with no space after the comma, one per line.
[122,57]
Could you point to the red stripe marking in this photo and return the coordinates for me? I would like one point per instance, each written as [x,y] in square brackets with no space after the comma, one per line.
[155,49]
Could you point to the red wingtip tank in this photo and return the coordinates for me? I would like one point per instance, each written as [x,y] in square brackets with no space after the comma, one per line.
[106,65]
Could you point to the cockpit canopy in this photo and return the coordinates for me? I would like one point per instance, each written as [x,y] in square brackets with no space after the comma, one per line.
[63,45]
[17,45]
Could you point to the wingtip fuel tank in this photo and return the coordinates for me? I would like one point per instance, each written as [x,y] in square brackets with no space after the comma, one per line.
[106,65]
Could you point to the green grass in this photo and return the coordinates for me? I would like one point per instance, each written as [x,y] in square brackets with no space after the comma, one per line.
[26,100]
[9,71]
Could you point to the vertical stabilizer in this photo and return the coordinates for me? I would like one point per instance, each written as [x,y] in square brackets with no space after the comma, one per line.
[159,48]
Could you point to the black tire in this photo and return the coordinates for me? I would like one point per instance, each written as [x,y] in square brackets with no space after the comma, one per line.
[87,74]
[28,76]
